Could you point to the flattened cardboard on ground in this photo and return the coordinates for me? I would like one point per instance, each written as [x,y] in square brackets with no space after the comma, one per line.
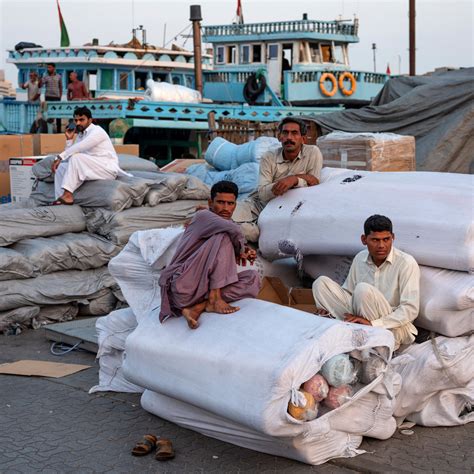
[180,165]
[275,291]
[41,368]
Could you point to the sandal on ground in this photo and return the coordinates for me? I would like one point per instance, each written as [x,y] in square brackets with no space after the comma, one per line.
[164,450]
[145,445]
[61,201]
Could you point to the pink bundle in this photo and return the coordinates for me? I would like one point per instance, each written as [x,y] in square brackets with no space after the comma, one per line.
[337,396]
[317,386]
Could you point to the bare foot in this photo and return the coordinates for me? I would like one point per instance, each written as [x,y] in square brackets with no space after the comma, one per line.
[193,313]
[221,307]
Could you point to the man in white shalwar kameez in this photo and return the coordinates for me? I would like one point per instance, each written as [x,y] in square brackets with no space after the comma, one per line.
[90,157]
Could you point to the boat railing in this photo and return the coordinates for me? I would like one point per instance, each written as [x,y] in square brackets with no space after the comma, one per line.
[314,76]
[17,116]
[228,76]
[309,26]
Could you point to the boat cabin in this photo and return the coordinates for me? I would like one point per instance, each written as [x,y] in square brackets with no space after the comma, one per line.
[298,62]
[113,71]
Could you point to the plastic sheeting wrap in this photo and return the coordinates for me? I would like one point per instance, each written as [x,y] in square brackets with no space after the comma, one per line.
[80,251]
[40,222]
[431,214]
[245,176]
[438,369]
[446,296]
[112,331]
[114,194]
[368,151]
[165,92]
[224,155]
[111,378]
[244,367]
[56,288]
[119,226]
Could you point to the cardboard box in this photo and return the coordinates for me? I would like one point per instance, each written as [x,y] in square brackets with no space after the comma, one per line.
[180,165]
[11,146]
[275,291]
[21,177]
[48,143]
[368,151]
[130,149]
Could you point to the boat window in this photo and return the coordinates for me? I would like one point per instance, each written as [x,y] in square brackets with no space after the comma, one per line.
[220,55]
[23,76]
[326,51]
[92,81]
[338,54]
[245,54]
[230,54]
[177,80]
[189,81]
[315,53]
[107,79]
[272,51]
[140,80]
[160,77]
[257,53]
[123,80]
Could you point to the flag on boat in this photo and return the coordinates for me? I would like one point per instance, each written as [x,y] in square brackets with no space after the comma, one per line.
[388,69]
[62,25]
[240,13]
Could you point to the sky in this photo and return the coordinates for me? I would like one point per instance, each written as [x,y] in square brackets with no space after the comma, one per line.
[444,27]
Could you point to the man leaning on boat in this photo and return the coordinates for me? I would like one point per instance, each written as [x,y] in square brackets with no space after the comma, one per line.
[293,165]
[91,156]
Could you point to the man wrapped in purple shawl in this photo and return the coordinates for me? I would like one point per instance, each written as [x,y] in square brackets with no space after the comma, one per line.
[202,275]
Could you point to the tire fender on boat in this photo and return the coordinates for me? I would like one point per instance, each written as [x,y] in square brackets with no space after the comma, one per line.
[349,76]
[322,84]
[254,86]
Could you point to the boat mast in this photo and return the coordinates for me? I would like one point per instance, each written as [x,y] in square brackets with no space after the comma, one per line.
[412,26]
[195,17]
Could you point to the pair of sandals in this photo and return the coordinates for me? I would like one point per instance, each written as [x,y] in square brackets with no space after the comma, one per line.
[149,442]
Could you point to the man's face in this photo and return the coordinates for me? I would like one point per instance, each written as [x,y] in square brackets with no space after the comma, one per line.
[291,138]
[51,69]
[82,122]
[73,76]
[223,205]
[379,244]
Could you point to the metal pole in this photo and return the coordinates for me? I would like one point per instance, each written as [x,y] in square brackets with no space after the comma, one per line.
[412,26]
[195,17]
[374,49]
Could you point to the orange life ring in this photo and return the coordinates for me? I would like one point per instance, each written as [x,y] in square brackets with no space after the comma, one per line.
[347,75]
[332,79]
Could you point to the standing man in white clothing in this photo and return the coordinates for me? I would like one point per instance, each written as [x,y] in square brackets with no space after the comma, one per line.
[382,288]
[91,157]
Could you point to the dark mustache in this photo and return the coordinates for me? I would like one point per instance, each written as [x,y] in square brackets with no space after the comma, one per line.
[289,142]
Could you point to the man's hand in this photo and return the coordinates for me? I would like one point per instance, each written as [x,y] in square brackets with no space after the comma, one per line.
[309,178]
[284,184]
[55,164]
[247,255]
[352,318]
[69,134]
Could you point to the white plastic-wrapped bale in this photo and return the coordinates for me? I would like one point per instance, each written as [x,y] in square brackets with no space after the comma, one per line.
[56,288]
[113,329]
[165,92]
[19,224]
[244,368]
[430,213]
[119,226]
[69,251]
[438,368]
[111,378]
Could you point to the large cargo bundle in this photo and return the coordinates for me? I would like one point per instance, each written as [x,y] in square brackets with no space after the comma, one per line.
[431,214]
